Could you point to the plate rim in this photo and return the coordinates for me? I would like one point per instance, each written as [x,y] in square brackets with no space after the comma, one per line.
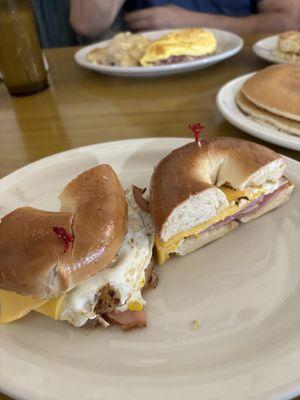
[25,168]
[115,144]
[162,69]
[287,142]
[270,58]
[83,148]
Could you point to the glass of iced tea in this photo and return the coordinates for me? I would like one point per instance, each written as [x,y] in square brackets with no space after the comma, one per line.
[21,59]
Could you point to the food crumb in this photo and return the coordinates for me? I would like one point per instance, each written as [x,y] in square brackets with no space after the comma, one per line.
[196,324]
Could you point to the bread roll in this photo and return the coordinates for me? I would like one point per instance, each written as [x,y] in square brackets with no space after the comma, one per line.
[289,44]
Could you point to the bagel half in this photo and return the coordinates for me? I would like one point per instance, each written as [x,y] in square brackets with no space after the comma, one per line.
[288,46]
[34,260]
[197,190]
[95,277]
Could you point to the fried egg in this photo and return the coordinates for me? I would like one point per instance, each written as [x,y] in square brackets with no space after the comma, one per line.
[126,276]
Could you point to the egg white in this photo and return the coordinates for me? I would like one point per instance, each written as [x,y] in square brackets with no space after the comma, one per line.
[126,275]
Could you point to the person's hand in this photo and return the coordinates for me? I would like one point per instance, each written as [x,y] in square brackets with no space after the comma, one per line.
[168,16]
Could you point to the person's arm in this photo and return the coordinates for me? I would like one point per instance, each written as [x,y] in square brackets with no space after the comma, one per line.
[92,17]
[272,16]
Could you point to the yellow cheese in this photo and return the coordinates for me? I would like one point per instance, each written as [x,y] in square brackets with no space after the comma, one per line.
[52,308]
[135,306]
[14,306]
[143,283]
[164,249]
[235,194]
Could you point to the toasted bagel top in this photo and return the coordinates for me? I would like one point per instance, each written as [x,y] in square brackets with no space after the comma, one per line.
[45,254]
[196,172]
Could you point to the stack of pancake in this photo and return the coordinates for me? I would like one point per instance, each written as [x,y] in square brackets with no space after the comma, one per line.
[272,96]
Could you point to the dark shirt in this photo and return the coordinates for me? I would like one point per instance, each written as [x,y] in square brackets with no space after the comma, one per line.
[53,19]
[225,7]
[53,23]
[55,29]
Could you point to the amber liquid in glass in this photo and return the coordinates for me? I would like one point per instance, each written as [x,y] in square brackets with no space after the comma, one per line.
[21,61]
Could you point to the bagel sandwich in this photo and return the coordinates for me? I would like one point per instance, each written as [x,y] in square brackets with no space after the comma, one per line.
[86,264]
[203,190]
[179,46]
[272,96]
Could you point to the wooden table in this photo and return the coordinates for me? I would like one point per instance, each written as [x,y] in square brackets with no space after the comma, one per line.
[82,107]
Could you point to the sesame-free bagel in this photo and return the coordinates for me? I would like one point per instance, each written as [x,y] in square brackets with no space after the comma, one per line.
[185,185]
[45,254]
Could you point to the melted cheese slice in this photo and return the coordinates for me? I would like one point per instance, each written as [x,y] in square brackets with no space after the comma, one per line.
[51,308]
[14,306]
[164,249]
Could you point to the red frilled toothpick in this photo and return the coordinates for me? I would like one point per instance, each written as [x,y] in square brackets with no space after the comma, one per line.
[64,235]
[197,129]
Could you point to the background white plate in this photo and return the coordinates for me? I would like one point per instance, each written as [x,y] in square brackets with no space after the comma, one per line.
[244,288]
[230,111]
[265,49]
[228,45]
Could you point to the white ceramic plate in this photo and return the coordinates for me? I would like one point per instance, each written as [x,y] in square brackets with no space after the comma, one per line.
[230,111]
[244,288]
[228,45]
[265,49]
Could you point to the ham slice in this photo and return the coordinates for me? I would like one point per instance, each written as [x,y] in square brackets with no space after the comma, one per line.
[128,319]
[251,208]
[179,59]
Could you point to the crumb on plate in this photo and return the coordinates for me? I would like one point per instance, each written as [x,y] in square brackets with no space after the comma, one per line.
[196,324]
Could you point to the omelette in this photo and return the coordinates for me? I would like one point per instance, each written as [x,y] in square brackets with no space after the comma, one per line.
[179,46]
